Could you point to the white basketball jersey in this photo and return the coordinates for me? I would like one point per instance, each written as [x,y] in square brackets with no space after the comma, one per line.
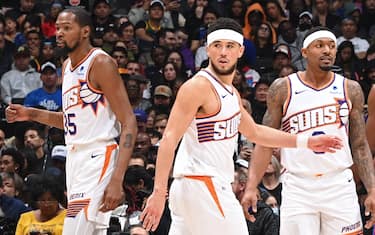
[87,115]
[208,144]
[313,112]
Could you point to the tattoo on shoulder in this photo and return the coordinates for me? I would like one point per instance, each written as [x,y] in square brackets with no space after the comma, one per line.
[355,93]
[128,140]
[278,91]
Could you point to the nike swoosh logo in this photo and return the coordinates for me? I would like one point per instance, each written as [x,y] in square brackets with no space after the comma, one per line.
[350,180]
[94,156]
[223,96]
[299,92]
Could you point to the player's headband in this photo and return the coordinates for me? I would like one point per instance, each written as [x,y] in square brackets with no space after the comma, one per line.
[318,34]
[226,34]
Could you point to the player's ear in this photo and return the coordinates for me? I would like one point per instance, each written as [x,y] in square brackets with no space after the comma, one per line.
[303,52]
[242,50]
[86,31]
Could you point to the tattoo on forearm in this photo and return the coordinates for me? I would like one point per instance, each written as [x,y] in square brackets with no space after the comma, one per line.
[128,140]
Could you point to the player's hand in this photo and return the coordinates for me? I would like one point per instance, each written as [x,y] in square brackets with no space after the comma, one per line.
[370,209]
[324,143]
[153,211]
[249,200]
[16,113]
[113,196]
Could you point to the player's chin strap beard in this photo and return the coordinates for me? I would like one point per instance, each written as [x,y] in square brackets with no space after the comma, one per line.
[326,68]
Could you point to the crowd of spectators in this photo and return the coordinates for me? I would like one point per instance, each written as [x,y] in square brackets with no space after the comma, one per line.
[157,45]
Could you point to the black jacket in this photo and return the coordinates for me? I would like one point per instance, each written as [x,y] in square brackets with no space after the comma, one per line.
[266,223]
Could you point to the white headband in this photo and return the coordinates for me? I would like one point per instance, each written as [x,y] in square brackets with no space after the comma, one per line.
[226,34]
[318,34]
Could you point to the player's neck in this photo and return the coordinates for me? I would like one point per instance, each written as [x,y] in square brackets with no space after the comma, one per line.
[225,79]
[79,53]
[316,77]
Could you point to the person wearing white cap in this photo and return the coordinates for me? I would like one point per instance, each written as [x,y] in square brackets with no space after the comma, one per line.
[49,95]
[207,115]
[319,193]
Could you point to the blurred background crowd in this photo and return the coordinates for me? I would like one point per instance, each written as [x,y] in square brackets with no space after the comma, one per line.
[157,45]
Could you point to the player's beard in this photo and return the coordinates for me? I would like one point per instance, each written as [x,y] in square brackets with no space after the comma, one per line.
[65,50]
[325,68]
[223,72]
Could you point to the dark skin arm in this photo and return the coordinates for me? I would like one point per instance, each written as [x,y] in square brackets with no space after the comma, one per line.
[105,77]
[360,149]
[277,94]
[370,125]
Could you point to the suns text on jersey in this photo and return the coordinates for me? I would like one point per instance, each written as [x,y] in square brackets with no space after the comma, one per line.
[313,118]
[226,128]
[71,98]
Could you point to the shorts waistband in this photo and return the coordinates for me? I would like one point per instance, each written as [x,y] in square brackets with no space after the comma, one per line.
[319,175]
[75,147]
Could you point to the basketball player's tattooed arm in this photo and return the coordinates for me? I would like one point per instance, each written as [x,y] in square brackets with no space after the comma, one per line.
[261,156]
[105,77]
[360,149]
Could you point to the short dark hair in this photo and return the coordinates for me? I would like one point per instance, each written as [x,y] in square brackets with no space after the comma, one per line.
[83,18]
[17,156]
[43,183]
[316,29]
[224,23]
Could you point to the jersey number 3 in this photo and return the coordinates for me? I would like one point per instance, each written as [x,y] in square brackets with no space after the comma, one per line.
[69,125]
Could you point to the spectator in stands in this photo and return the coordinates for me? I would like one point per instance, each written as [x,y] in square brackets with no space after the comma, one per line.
[304,24]
[286,70]
[48,53]
[32,22]
[102,17]
[170,75]
[162,100]
[12,208]
[11,27]
[132,85]
[26,7]
[2,140]
[48,218]
[183,47]
[259,103]
[275,13]
[21,80]
[49,96]
[366,21]
[172,14]
[175,57]
[48,25]
[281,58]
[264,222]
[349,32]
[110,37]
[323,16]
[58,156]
[288,35]
[127,35]
[160,123]
[158,56]
[138,159]
[348,61]
[7,49]
[264,47]
[194,19]
[146,31]
[368,78]
[167,38]
[13,184]
[12,161]
[236,10]
[121,56]
[295,8]
[38,160]
[253,18]
[271,180]
[143,144]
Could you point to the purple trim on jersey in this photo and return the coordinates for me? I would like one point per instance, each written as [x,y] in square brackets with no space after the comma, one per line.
[217,80]
[333,80]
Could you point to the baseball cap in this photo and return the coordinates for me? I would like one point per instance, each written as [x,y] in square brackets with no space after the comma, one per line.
[306,13]
[48,65]
[22,51]
[59,152]
[160,3]
[140,115]
[100,1]
[163,90]
[242,163]
[283,49]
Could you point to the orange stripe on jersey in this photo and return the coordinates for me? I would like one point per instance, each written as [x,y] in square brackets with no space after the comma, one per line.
[287,101]
[358,232]
[88,79]
[108,153]
[207,180]
[82,60]
[76,206]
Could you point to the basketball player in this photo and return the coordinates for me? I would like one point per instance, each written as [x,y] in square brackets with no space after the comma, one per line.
[208,114]
[96,110]
[319,194]
[370,125]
